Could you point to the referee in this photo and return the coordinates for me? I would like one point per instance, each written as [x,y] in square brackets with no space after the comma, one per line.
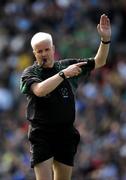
[50,87]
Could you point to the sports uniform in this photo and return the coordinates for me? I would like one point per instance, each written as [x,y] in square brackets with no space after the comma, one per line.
[51,131]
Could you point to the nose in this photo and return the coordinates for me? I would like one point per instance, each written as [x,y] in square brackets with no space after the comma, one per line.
[43,53]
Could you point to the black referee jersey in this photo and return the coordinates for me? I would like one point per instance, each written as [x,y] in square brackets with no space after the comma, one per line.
[57,107]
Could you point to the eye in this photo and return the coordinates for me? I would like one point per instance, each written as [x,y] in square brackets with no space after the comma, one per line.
[47,49]
[39,51]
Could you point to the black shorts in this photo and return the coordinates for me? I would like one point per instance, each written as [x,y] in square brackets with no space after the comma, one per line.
[61,144]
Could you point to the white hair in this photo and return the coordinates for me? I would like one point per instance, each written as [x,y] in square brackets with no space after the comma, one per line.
[39,37]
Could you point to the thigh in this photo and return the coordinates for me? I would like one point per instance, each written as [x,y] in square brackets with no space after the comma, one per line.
[43,171]
[61,171]
[66,147]
[40,147]
[40,152]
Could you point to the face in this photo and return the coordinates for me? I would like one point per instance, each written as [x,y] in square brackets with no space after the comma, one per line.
[44,53]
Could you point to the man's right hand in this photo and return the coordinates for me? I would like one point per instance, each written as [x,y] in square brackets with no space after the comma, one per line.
[73,70]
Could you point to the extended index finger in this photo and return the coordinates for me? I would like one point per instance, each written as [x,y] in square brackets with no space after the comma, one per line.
[81,64]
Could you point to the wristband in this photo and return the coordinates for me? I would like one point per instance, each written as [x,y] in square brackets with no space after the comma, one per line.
[105,42]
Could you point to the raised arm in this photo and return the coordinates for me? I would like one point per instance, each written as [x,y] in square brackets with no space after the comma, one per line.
[104,30]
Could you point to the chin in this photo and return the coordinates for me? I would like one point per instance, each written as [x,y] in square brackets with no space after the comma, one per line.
[47,66]
[50,65]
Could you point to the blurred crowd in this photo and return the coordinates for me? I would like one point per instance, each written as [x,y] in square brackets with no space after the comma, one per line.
[100,99]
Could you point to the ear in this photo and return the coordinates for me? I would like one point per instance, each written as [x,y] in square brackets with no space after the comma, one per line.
[33,52]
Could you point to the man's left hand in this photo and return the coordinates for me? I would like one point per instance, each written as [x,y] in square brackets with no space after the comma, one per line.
[104,28]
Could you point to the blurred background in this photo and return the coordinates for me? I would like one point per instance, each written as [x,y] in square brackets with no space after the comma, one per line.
[100,100]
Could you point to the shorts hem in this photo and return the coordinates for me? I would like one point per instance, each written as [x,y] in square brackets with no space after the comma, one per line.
[35,162]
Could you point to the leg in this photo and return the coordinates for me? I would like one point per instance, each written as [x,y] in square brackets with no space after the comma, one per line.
[62,171]
[43,171]
[65,149]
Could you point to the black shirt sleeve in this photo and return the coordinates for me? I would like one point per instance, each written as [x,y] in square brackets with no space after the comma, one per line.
[86,70]
[27,79]
[87,67]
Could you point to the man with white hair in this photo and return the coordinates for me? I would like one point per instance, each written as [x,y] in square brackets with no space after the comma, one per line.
[50,86]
